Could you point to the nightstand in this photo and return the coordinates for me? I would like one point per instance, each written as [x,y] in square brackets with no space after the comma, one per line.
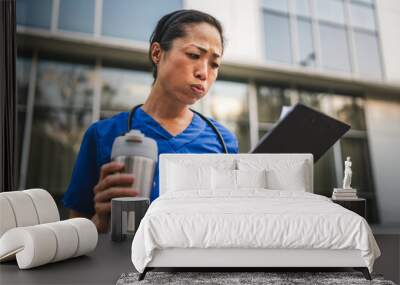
[358,206]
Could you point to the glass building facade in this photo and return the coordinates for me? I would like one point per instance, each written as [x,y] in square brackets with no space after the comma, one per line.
[61,94]
[331,35]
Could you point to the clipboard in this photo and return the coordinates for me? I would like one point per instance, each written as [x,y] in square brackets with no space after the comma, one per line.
[302,130]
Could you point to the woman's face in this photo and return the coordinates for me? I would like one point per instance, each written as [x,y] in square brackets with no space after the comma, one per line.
[190,67]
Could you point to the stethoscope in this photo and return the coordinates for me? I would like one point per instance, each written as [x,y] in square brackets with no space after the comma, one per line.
[221,140]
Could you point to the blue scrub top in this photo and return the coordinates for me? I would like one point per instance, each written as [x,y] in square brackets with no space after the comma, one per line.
[97,143]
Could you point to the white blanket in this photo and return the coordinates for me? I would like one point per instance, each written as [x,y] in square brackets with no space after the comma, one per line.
[253,218]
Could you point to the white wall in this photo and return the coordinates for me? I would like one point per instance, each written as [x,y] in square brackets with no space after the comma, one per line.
[241,22]
[388,12]
[383,123]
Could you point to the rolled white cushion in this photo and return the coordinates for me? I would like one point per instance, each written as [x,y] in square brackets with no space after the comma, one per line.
[7,218]
[67,239]
[40,244]
[33,246]
[45,205]
[23,208]
[87,235]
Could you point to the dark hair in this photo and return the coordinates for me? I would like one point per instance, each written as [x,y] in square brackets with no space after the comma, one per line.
[172,26]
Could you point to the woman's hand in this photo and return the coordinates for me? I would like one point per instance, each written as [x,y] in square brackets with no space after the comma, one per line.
[111,184]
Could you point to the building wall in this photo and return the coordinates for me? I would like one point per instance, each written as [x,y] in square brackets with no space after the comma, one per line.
[383,117]
[241,25]
[389,22]
[383,122]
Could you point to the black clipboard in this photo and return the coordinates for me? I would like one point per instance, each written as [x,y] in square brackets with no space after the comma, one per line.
[302,130]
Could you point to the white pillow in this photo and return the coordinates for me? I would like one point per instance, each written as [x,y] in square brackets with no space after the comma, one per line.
[223,179]
[251,178]
[293,179]
[188,177]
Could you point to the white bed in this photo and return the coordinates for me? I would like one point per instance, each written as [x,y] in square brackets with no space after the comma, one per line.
[202,220]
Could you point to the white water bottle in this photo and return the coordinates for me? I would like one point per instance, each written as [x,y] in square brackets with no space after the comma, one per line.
[139,154]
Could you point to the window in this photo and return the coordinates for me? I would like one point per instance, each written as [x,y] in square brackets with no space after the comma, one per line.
[277,37]
[365,1]
[344,108]
[23,69]
[367,54]
[306,46]
[134,19]
[229,106]
[331,11]
[277,5]
[77,15]
[122,89]
[64,85]
[335,28]
[347,109]
[362,16]
[62,113]
[334,48]
[34,13]
[270,102]
[302,8]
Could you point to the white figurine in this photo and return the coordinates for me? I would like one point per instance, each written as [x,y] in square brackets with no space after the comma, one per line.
[347,174]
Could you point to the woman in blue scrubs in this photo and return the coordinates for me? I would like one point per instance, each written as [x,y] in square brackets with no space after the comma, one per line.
[185,51]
